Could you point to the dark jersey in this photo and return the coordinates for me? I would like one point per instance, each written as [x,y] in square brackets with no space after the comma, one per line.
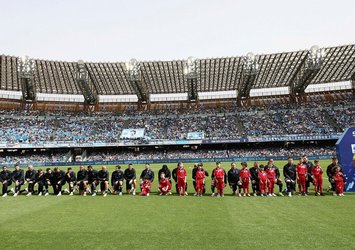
[233,176]
[30,175]
[331,170]
[290,172]
[18,175]
[49,177]
[82,175]
[117,175]
[174,174]
[147,173]
[130,174]
[40,177]
[103,175]
[92,176]
[254,173]
[166,172]
[70,177]
[5,175]
[59,176]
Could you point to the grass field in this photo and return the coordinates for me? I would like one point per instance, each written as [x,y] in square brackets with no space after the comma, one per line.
[174,222]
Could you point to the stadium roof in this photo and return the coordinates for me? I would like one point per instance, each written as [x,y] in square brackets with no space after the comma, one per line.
[214,74]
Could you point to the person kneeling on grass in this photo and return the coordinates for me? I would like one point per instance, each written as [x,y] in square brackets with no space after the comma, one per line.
[130,177]
[41,182]
[339,180]
[82,180]
[103,177]
[92,180]
[263,181]
[117,180]
[30,179]
[146,185]
[59,181]
[18,179]
[5,180]
[164,185]
[70,178]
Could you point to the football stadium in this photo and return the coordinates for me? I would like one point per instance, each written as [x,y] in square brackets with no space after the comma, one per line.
[255,150]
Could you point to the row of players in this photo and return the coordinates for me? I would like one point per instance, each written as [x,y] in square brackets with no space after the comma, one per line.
[262,179]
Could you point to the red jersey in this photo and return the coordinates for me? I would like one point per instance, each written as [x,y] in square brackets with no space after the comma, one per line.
[219,173]
[338,177]
[271,173]
[181,173]
[244,173]
[262,176]
[163,183]
[146,184]
[200,174]
[317,171]
[301,169]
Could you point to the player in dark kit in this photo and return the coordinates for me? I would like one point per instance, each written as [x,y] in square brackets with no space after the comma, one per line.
[234,179]
[166,171]
[49,179]
[148,173]
[289,171]
[193,173]
[254,178]
[103,177]
[92,180]
[330,173]
[59,181]
[30,179]
[130,177]
[70,178]
[5,180]
[18,179]
[82,180]
[40,181]
[117,178]
[309,165]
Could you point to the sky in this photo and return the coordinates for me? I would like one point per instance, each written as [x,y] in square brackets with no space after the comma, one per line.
[116,31]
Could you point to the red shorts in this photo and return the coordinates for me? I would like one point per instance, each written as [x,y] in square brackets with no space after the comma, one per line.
[245,182]
[199,184]
[302,180]
[181,184]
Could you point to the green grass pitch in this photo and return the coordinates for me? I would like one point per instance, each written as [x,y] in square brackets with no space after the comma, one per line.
[156,222]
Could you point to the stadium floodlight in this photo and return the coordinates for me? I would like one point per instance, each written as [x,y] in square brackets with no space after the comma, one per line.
[133,69]
[316,57]
[191,67]
[26,67]
[250,63]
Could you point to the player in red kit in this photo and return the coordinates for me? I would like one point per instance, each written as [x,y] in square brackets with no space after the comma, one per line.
[219,175]
[245,177]
[146,185]
[302,172]
[164,185]
[200,180]
[339,181]
[181,179]
[263,181]
[271,178]
[317,173]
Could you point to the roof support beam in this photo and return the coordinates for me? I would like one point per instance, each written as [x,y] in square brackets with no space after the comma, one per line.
[82,79]
[135,79]
[249,74]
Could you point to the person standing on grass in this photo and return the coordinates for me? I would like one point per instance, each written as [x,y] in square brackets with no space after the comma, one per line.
[219,179]
[117,178]
[70,178]
[103,177]
[290,175]
[30,179]
[18,179]
[234,179]
[181,179]
[263,181]
[271,178]
[245,178]
[200,180]
[164,185]
[278,180]
[302,172]
[82,180]
[5,180]
[194,170]
[92,180]
[206,175]
[147,172]
[317,176]
[130,177]
[254,178]
[309,165]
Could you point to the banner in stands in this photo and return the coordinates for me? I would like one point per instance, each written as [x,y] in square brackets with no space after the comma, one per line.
[346,155]
[132,133]
[195,135]
[161,161]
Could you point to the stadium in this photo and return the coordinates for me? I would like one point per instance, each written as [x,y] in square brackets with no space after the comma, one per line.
[72,131]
